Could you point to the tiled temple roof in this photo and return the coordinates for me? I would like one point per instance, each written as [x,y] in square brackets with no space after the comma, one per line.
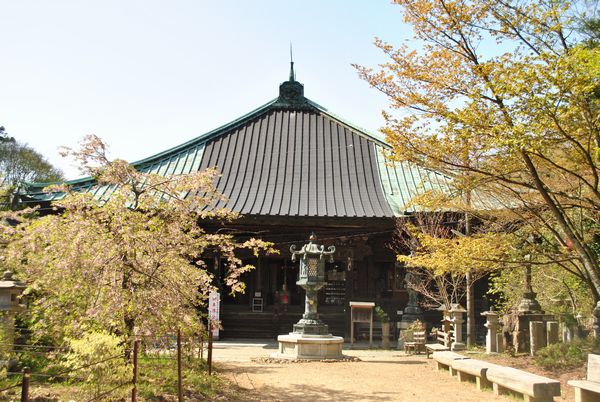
[290,157]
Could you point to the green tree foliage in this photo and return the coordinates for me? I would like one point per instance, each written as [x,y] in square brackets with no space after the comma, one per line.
[440,257]
[517,124]
[19,163]
[129,263]
[558,291]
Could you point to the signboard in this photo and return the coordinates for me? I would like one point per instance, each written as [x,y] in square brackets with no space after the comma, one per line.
[214,307]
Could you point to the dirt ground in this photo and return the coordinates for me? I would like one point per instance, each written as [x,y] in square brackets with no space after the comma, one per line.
[379,376]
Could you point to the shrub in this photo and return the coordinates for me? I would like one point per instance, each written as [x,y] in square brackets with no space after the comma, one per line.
[381,315]
[566,355]
[98,359]
[407,334]
[416,325]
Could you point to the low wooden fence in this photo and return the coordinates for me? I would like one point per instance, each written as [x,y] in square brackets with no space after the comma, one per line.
[150,347]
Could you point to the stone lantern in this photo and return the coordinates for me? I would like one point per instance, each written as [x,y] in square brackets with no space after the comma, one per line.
[10,290]
[491,338]
[310,338]
[311,279]
[456,314]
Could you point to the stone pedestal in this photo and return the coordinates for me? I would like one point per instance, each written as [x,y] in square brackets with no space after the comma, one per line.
[521,337]
[309,347]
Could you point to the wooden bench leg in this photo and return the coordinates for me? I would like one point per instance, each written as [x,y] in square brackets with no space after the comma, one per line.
[482,383]
[583,395]
[527,398]
[452,371]
[462,377]
[499,389]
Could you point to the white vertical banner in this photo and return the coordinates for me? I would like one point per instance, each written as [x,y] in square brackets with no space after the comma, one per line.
[214,307]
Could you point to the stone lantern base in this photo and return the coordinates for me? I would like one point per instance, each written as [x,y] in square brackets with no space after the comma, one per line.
[310,347]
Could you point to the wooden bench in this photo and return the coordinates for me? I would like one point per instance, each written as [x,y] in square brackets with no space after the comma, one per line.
[444,360]
[588,390]
[534,388]
[417,344]
[467,369]
[444,340]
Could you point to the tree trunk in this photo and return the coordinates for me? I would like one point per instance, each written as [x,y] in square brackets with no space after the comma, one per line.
[470,310]
[470,289]
[128,318]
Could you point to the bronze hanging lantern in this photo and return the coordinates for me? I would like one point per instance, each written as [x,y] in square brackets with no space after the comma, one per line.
[311,279]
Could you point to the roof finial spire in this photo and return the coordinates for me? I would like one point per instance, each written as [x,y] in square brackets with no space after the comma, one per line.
[292,74]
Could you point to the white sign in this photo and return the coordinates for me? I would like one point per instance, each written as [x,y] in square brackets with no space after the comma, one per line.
[214,307]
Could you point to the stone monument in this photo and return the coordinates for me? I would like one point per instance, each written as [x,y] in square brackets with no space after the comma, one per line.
[310,338]
[530,331]
[412,311]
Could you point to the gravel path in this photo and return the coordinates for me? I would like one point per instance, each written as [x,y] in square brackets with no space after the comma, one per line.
[379,376]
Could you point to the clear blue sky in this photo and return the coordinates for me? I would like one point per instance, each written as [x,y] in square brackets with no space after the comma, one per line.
[149,75]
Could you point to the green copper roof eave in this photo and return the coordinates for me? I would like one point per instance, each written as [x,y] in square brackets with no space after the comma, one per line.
[175,149]
[206,136]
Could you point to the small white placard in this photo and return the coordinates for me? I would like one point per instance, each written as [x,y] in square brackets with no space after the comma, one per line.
[214,307]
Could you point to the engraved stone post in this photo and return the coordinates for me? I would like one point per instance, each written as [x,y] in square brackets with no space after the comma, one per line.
[552,332]
[500,342]
[537,336]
